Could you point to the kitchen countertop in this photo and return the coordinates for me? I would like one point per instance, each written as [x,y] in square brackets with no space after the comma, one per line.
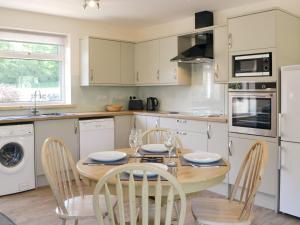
[185,116]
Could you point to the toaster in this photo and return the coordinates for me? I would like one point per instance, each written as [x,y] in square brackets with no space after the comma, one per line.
[135,104]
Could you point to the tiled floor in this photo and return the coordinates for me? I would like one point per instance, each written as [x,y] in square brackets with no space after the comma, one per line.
[37,208]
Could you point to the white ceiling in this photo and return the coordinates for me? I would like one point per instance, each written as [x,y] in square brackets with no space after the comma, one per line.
[125,12]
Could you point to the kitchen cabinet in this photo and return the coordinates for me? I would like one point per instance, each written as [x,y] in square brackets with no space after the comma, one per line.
[127,64]
[66,130]
[140,122]
[252,31]
[193,134]
[153,65]
[217,138]
[238,150]
[147,62]
[172,72]
[220,54]
[153,122]
[123,126]
[217,142]
[106,62]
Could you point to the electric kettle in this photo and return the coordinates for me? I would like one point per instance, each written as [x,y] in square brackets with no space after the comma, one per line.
[152,104]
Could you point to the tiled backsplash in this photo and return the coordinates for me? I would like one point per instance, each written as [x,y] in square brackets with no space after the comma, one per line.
[202,95]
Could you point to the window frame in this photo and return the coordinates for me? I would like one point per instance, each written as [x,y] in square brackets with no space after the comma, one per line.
[38,38]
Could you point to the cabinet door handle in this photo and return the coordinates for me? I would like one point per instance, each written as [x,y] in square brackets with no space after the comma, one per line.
[137,77]
[280,115]
[216,71]
[157,74]
[156,124]
[279,158]
[208,132]
[92,75]
[230,40]
[229,148]
[175,74]
[75,127]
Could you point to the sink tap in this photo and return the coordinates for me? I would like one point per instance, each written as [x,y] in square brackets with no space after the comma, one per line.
[34,110]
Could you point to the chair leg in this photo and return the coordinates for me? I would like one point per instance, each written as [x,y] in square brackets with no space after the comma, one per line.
[63,221]
[76,222]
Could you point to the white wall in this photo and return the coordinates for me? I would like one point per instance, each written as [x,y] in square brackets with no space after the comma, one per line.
[187,25]
[88,98]
[202,95]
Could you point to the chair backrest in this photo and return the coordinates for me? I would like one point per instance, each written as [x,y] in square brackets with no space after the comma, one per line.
[249,177]
[165,183]
[156,135]
[60,170]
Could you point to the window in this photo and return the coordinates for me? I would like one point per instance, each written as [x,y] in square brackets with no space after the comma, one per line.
[31,62]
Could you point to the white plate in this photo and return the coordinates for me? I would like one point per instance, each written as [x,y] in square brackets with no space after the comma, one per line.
[140,173]
[202,157]
[107,156]
[155,148]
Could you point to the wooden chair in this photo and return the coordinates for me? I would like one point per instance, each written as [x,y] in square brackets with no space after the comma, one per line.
[169,186]
[238,208]
[156,135]
[60,170]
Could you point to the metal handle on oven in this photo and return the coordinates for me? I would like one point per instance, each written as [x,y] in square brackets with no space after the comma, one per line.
[229,148]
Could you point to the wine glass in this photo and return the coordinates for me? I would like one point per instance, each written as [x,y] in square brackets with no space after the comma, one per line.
[169,142]
[135,141]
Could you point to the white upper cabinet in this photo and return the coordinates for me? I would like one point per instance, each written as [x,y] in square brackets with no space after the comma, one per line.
[153,65]
[254,31]
[105,61]
[147,62]
[127,63]
[220,54]
[167,51]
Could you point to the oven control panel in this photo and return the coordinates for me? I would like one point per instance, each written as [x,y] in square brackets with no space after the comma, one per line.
[255,86]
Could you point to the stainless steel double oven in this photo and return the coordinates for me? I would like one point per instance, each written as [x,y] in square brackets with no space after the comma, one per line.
[253,108]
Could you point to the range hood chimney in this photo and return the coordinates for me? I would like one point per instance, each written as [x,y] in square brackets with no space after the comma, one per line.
[202,51]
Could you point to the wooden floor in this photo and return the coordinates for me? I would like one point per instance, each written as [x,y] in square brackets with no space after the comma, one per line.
[37,208]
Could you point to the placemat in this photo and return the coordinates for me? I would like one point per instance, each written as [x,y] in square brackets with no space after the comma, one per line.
[125,177]
[166,154]
[184,162]
[89,161]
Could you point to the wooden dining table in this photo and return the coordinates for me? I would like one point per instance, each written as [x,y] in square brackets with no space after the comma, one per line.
[193,179]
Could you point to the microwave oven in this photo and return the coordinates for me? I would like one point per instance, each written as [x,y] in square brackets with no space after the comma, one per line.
[252,65]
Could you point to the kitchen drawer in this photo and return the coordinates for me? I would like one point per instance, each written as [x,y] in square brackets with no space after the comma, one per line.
[184,125]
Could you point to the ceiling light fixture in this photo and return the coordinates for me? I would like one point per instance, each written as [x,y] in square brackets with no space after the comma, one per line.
[91,3]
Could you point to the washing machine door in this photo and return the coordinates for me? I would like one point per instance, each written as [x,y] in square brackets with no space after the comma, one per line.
[12,157]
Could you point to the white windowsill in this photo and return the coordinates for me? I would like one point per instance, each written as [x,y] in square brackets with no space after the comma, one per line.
[43,106]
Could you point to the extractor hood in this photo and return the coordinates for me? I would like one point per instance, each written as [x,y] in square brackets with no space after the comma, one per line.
[201,52]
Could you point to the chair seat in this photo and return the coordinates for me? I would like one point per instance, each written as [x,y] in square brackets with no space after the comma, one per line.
[82,207]
[217,211]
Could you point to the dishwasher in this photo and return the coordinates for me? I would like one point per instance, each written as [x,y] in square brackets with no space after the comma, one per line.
[96,135]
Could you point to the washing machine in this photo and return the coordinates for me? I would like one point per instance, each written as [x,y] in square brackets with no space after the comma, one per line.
[16,158]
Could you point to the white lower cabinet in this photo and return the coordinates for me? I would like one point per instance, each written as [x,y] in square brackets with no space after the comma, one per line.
[193,134]
[66,130]
[140,122]
[123,125]
[239,146]
[193,140]
[217,142]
